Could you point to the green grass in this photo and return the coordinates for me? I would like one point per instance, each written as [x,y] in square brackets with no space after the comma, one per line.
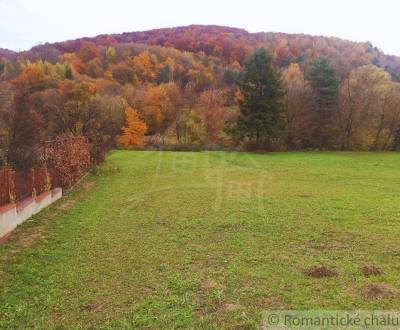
[206,240]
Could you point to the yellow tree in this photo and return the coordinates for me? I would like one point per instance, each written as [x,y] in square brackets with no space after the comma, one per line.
[365,100]
[134,131]
[296,101]
[143,67]
[213,113]
[162,106]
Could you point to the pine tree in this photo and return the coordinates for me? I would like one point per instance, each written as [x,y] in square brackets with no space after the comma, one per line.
[68,72]
[134,131]
[260,100]
[324,83]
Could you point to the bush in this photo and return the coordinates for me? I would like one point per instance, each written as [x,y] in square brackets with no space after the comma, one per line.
[69,156]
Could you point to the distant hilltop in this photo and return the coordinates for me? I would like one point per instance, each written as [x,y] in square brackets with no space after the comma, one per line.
[234,45]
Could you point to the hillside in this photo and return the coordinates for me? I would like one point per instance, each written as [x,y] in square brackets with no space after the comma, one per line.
[183,85]
[232,44]
[7,54]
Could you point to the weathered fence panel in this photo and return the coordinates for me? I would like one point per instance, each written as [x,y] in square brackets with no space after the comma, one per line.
[5,185]
[18,185]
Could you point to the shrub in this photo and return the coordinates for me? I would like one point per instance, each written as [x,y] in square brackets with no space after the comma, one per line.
[69,156]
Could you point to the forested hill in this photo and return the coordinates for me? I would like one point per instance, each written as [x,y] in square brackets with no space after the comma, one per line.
[184,87]
[232,44]
[7,54]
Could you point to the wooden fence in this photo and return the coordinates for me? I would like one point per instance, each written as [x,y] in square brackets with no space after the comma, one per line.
[17,185]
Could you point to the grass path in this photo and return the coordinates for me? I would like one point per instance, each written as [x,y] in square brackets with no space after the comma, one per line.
[207,240]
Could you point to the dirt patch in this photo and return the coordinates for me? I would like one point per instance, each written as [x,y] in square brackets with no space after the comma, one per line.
[27,237]
[320,272]
[31,236]
[304,195]
[273,302]
[379,291]
[233,307]
[209,284]
[328,246]
[88,185]
[67,204]
[5,238]
[92,307]
[371,270]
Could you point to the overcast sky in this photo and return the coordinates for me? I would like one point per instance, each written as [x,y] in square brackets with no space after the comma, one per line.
[25,23]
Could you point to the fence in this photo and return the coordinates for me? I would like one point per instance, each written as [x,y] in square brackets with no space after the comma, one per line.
[17,185]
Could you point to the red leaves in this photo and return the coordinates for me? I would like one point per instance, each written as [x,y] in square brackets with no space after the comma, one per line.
[70,156]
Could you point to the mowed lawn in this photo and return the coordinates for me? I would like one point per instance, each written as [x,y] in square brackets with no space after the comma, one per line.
[207,240]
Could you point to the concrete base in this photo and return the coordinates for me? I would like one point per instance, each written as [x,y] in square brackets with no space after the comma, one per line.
[12,215]
[8,219]
[56,194]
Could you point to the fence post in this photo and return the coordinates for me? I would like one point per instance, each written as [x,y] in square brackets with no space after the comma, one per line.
[48,179]
[33,183]
[11,185]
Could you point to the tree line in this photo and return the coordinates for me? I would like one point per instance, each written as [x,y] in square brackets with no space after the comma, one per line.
[125,94]
[310,108]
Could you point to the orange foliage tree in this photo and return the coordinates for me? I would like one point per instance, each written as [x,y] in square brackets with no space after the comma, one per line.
[134,131]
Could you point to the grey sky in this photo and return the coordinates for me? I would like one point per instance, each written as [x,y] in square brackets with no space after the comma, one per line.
[25,23]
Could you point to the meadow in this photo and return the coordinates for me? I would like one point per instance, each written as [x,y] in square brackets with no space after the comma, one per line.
[208,240]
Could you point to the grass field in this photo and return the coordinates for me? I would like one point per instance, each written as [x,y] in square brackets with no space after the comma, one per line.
[208,240]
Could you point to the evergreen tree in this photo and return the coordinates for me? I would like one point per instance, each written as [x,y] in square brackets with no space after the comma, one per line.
[2,67]
[260,100]
[68,72]
[324,83]
[164,76]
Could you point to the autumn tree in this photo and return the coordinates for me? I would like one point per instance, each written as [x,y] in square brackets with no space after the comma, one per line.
[297,104]
[76,64]
[161,106]
[27,128]
[110,54]
[88,51]
[123,73]
[77,108]
[143,67]
[388,117]
[7,117]
[261,109]
[213,112]
[94,68]
[367,101]
[134,130]
[396,140]
[104,118]
[75,113]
